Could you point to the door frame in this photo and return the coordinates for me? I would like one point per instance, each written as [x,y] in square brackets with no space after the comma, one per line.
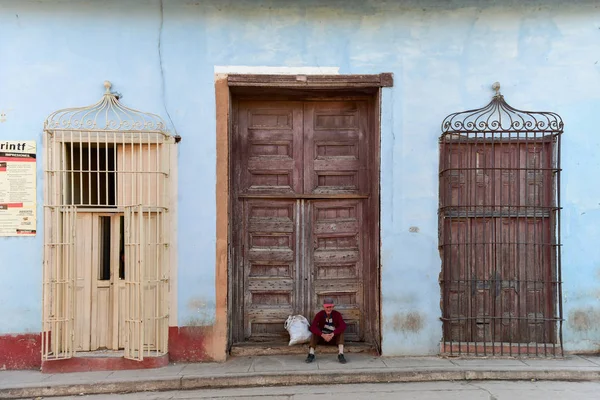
[229,88]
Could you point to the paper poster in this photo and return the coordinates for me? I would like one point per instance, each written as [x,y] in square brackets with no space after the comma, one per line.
[17,188]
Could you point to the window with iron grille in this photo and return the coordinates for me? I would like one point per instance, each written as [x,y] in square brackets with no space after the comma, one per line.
[499,223]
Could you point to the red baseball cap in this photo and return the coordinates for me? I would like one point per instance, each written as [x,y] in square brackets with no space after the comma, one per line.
[328,301]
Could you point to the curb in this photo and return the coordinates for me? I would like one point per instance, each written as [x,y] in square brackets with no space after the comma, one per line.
[294,378]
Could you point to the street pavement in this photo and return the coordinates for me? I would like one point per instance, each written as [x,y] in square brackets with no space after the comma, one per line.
[480,390]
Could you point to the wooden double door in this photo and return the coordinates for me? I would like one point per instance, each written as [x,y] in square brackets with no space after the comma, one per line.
[305,179]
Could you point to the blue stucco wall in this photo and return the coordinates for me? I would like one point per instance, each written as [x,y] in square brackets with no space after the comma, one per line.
[444,56]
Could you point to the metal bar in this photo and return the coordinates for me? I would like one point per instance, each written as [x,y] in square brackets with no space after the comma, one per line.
[130,177]
[506,135]
[98,190]
[71,283]
[305,262]
[88,170]
[557,235]
[141,280]
[525,318]
[298,261]
[469,250]
[495,241]
[516,248]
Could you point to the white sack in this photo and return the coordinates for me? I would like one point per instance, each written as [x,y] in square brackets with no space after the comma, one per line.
[298,327]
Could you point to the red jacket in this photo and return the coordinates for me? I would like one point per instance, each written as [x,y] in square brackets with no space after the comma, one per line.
[319,322]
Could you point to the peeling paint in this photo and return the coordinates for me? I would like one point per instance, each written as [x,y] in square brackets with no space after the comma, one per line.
[3,115]
[202,313]
[411,322]
[584,320]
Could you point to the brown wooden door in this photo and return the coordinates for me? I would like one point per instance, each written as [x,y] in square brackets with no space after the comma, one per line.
[498,283]
[300,187]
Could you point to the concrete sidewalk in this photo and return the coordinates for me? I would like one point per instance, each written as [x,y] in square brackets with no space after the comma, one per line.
[292,370]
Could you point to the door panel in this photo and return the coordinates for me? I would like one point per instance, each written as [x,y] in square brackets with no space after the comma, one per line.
[482,276]
[99,255]
[535,261]
[121,314]
[270,272]
[457,289]
[335,147]
[101,320]
[118,282]
[83,281]
[336,259]
[509,274]
[269,147]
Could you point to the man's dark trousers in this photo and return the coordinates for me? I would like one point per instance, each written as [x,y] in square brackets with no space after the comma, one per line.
[336,340]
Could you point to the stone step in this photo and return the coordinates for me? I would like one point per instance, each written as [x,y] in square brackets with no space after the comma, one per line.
[249,349]
[102,361]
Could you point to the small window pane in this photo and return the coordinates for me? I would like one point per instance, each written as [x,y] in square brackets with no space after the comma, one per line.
[104,249]
[122,249]
[90,174]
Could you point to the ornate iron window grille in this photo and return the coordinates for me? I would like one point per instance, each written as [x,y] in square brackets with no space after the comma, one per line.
[499,217]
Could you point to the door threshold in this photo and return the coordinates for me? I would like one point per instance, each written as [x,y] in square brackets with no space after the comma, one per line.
[250,349]
[104,353]
[100,353]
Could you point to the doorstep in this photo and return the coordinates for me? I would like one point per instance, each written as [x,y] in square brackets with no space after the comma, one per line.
[252,349]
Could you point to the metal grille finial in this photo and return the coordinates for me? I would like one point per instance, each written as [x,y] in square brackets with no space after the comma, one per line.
[499,117]
[496,87]
[106,115]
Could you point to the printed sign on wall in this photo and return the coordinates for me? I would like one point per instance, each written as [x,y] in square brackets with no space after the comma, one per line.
[17,188]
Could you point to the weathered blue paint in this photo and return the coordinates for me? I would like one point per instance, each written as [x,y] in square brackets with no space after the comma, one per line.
[444,56]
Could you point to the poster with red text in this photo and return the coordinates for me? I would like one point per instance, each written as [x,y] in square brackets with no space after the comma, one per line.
[17,188]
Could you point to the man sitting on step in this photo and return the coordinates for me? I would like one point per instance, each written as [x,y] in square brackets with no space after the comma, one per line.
[328,327]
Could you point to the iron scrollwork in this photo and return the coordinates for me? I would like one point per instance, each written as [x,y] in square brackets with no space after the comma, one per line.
[499,117]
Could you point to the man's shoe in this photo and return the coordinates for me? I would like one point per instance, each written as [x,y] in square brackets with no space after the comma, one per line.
[341,359]
[310,358]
